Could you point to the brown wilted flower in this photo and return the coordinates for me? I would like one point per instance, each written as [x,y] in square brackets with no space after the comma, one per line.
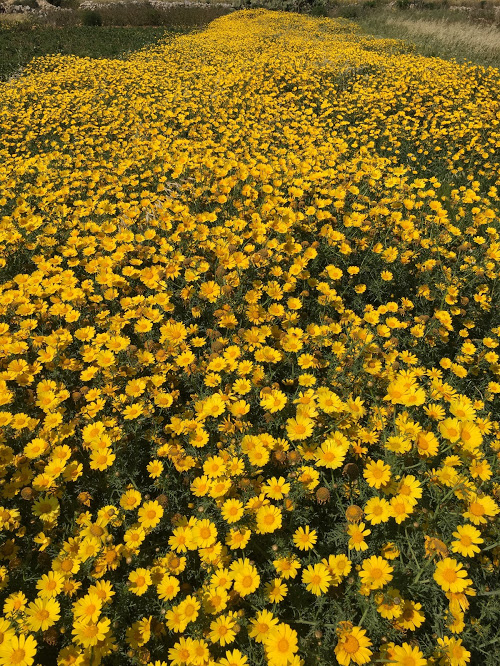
[294,457]
[354,513]
[50,636]
[351,470]
[322,495]
[434,546]
[280,457]
[27,493]
[84,498]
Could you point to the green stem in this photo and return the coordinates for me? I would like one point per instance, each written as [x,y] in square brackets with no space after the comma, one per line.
[451,492]
[364,615]
[421,571]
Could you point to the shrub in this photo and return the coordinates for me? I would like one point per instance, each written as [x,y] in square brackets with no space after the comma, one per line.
[91,17]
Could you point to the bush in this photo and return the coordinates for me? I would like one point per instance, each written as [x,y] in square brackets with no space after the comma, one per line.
[91,17]
[33,4]
[147,14]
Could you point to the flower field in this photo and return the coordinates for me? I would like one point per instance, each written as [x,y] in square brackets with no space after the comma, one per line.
[249,375]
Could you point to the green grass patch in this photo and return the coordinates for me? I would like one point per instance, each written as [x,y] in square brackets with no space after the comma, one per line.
[21,42]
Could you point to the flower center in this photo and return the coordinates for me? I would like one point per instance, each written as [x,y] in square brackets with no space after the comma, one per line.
[351,645]
[283,645]
[476,509]
[450,575]
[18,656]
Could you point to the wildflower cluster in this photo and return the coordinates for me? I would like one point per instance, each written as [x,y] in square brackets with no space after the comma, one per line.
[249,360]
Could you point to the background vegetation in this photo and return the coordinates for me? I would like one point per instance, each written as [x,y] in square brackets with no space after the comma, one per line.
[21,43]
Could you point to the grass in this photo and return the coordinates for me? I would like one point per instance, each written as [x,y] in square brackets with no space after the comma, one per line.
[21,42]
[463,30]
[479,42]
[442,36]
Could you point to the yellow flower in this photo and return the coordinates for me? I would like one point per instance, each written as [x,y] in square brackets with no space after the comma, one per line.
[189,608]
[222,630]
[14,604]
[268,519]
[175,620]
[50,585]
[299,428]
[375,572]
[450,576]
[139,581]
[215,600]
[287,567]
[339,567]
[42,614]
[150,514]
[132,411]
[467,537]
[276,590]
[233,658]
[203,533]
[273,401]
[168,588]
[88,634]
[389,604]
[261,624]
[481,507]
[181,652]
[105,359]
[453,651]
[377,473]
[130,499]
[407,655]
[238,538]
[316,578]
[357,534]
[401,508]
[304,538]
[377,510]
[276,488]
[280,643]
[88,608]
[330,454]
[411,618]
[246,577]
[353,646]
[450,429]
[18,651]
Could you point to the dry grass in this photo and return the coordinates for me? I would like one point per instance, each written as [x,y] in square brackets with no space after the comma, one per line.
[443,37]
[483,39]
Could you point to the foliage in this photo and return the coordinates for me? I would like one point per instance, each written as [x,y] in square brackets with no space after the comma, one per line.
[249,374]
[20,43]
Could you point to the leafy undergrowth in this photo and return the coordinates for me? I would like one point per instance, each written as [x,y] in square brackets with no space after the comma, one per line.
[20,43]
[249,353]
